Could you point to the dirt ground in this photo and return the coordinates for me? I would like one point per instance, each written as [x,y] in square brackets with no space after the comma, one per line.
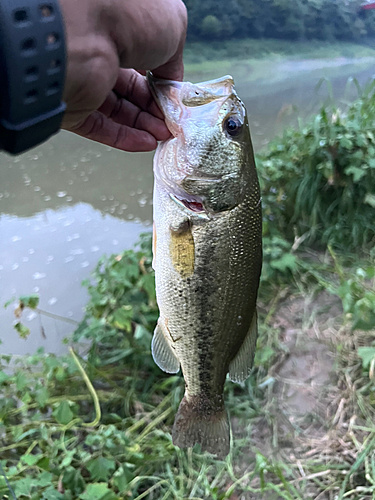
[304,410]
[305,375]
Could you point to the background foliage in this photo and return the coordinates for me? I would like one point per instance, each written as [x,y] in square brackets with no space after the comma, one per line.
[318,182]
[300,19]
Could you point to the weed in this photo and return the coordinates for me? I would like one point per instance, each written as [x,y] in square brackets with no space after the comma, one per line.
[318,182]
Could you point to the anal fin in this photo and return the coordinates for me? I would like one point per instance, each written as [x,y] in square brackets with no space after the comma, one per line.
[162,352]
[240,366]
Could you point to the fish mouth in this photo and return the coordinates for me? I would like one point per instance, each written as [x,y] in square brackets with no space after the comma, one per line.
[176,99]
[164,91]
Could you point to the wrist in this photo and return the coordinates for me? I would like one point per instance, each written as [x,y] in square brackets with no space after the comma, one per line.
[32,60]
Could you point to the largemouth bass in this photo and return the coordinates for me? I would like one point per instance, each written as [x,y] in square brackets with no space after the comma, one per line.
[207,252]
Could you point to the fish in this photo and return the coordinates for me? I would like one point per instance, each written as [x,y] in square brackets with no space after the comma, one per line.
[207,252]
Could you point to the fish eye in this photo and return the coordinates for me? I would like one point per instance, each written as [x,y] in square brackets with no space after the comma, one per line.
[233,126]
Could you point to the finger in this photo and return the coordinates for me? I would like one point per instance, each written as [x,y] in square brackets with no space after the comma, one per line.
[98,127]
[174,68]
[133,86]
[126,113]
[154,31]
[170,71]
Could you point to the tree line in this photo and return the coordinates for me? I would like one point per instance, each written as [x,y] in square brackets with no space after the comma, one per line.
[293,20]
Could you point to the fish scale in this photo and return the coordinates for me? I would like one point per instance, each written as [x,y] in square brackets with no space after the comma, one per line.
[207,252]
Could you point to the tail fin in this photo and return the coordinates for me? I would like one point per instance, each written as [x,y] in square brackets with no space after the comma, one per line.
[204,421]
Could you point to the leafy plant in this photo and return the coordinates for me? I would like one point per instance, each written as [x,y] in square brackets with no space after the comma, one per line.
[318,182]
[122,312]
[357,293]
[356,290]
[28,301]
[279,260]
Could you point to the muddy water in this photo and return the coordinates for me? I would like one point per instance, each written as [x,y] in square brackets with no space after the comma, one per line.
[69,201]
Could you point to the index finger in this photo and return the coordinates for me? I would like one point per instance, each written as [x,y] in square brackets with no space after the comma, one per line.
[174,68]
[132,86]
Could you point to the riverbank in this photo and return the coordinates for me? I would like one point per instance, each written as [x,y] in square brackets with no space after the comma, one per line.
[99,427]
[268,62]
[249,48]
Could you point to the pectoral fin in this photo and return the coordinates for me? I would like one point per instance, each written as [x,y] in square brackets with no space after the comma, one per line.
[240,366]
[162,352]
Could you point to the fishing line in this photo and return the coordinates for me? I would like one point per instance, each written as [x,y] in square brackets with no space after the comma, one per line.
[7,482]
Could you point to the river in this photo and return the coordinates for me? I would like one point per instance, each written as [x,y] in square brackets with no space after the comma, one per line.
[67,202]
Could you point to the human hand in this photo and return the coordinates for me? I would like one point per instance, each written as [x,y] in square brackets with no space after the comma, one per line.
[107,41]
